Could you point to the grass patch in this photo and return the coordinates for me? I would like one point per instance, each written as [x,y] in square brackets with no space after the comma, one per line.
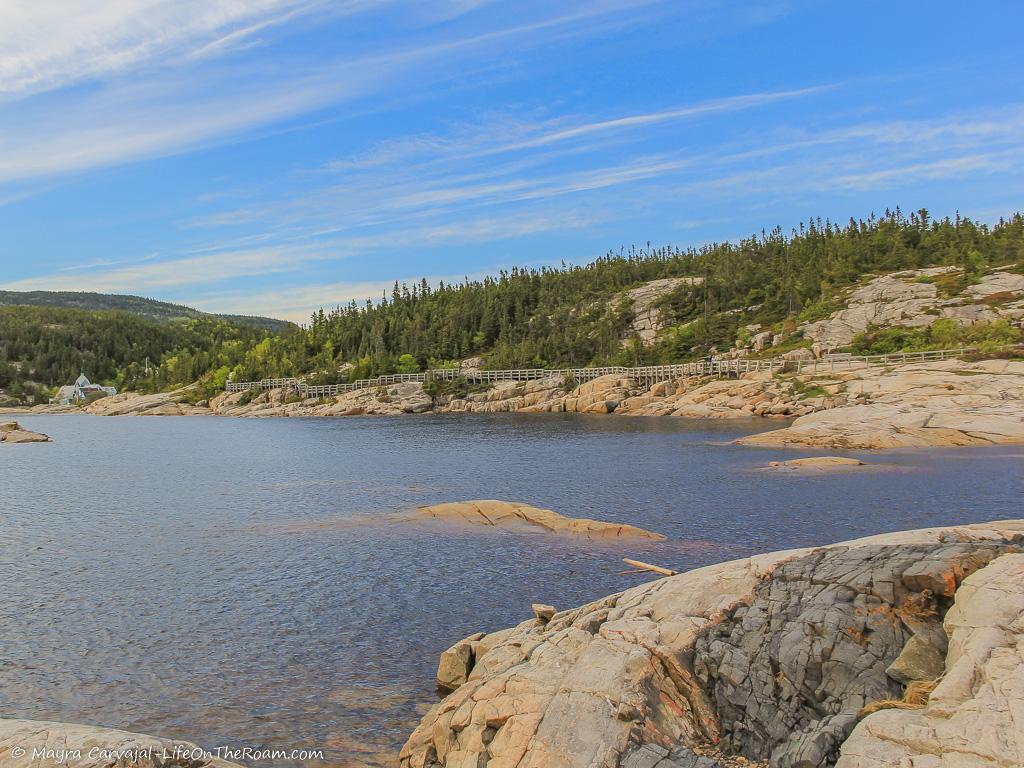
[1000,298]
[953,284]
[1013,355]
[949,284]
[803,390]
[811,392]
[819,310]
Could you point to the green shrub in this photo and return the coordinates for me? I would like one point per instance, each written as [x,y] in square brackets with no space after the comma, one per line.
[456,388]
[945,333]
[248,396]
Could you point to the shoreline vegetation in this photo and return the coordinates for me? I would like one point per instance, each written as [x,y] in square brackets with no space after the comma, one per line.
[944,403]
[861,654]
[881,284]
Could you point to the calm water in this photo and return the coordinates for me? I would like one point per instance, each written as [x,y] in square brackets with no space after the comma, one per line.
[243,582]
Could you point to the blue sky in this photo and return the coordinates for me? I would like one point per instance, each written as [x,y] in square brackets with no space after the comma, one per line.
[274,156]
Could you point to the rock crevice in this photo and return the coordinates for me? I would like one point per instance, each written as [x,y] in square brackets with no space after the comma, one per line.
[764,660]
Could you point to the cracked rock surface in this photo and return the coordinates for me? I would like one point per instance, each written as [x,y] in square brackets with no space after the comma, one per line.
[946,403]
[632,680]
[974,716]
[790,671]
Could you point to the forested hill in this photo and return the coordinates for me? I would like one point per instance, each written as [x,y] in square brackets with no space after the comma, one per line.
[136,305]
[564,316]
[42,348]
[548,317]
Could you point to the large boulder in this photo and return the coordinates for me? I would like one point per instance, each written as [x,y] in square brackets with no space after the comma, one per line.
[134,404]
[600,395]
[647,318]
[895,299]
[772,656]
[12,432]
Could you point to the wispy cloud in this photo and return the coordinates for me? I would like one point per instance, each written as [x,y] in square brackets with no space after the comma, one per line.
[507,135]
[104,84]
[42,49]
[152,273]
[711,107]
[169,106]
[443,182]
[949,167]
[145,276]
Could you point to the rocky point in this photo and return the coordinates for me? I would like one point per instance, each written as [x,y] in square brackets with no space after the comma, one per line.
[793,659]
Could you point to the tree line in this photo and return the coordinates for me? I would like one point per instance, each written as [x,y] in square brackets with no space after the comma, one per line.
[564,316]
[540,317]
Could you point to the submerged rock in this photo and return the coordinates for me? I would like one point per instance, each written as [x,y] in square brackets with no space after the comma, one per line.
[770,658]
[817,462]
[12,432]
[516,516]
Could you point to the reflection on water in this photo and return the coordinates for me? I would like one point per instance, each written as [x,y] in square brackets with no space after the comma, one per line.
[244,582]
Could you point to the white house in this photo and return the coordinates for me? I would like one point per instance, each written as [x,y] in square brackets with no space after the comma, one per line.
[79,391]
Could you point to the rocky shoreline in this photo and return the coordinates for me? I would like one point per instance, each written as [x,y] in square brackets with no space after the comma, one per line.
[855,406]
[943,403]
[41,744]
[793,659]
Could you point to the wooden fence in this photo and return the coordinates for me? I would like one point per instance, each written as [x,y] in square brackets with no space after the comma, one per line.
[646,375]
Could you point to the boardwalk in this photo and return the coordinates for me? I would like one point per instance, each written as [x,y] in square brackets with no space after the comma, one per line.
[646,375]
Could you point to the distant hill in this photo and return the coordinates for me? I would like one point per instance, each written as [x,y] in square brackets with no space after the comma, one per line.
[136,305]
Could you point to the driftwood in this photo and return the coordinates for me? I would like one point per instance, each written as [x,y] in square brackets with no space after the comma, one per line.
[641,567]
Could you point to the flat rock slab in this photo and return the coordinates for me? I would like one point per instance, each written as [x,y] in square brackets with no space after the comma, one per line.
[37,743]
[11,432]
[134,404]
[947,403]
[511,515]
